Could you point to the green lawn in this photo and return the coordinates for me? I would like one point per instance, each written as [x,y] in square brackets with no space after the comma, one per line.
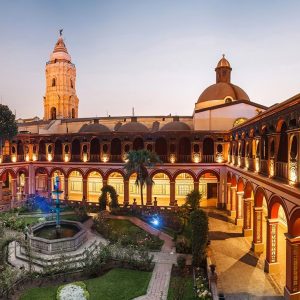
[134,234]
[188,291]
[118,284]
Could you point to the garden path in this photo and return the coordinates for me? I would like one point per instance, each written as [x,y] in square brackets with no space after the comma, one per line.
[240,273]
[160,280]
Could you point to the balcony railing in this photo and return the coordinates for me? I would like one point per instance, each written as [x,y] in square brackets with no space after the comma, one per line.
[42,157]
[264,167]
[116,158]
[57,157]
[163,158]
[184,158]
[76,158]
[20,157]
[281,170]
[208,158]
[242,162]
[251,164]
[95,158]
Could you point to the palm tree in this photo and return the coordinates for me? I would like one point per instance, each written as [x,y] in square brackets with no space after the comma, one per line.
[138,161]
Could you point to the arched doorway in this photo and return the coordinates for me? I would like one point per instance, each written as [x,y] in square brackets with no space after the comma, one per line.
[95,150]
[184,184]
[134,191]
[95,184]
[116,150]
[184,150]
[282,156]
[208,188]
[161,149]
[208,150]
[76,150]
[42,150]
[58,150]
[41,182]
[75,188]
[116,180]
[138,144]
[161,189]
[53,113]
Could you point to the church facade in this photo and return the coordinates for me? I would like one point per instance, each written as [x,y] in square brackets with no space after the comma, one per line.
[242,157]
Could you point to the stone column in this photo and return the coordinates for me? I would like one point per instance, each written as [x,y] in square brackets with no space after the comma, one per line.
[13,191]
[49,189]
[104,182]
[26,187]
[247,229]
[239,208]
[232,211]
[228,202]
[196,185]
[149,194]
[258,246]
[126,192]
[271,263]
[172,193]
[292,288]
[66,187]
[84,190]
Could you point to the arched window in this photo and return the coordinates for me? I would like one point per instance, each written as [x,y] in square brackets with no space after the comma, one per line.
[53,113]
[53,82]
[208,146]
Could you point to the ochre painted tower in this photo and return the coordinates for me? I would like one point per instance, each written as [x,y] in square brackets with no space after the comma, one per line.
[60,100]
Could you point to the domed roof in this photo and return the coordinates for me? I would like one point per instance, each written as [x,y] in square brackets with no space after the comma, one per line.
[222,90]
[60,51]
[133,127]
[223,62]
[94,128]
[175,126]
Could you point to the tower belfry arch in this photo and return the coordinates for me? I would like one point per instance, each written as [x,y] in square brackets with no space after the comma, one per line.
[60,94]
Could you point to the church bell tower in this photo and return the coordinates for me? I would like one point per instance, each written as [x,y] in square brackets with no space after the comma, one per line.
[60,101]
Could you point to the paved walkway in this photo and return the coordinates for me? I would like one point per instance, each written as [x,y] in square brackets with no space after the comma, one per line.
[240,273]
[160,280]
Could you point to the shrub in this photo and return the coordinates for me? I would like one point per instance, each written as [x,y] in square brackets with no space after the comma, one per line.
[199,235]
[183,245]
[103,199]
[181,262]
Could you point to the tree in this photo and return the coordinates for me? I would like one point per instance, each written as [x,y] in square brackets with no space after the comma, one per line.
[103,201]
[193,200]
[137,161]
[199,226]
[8,125]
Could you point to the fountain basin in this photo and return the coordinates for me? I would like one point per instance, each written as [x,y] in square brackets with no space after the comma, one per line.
[43,237]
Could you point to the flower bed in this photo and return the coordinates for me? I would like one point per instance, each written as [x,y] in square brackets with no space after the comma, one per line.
[73,291]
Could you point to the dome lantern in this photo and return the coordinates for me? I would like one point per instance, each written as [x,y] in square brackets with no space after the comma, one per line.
[223,70]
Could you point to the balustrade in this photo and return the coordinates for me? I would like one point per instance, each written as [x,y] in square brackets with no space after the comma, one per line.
[242,162]
[264,167]
[116,158]
[251,164]
[76,158]
[94,157]
[184,158]
[208,158]
[281,170]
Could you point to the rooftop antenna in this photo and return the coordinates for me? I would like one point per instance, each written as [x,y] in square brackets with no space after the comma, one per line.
[133,111]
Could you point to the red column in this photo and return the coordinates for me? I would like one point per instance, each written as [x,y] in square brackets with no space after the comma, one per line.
[84,190]
[239,208]
[292,288]
[247,230]
[26,187]
[271,263]
[196,185]
[228,202]
[149,194]
[172,193]
[66,187]
[258,245]
[232,212]
[126,192]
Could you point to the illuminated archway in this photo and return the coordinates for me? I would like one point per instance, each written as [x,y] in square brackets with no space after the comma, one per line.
[134,191]
[60,174]
[41,182]
[116,180]
[75,186]
[184,184]
[208,188]
[94,186]
[161,189]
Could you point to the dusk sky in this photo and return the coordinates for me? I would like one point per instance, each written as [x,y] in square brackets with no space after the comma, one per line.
[155,56]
